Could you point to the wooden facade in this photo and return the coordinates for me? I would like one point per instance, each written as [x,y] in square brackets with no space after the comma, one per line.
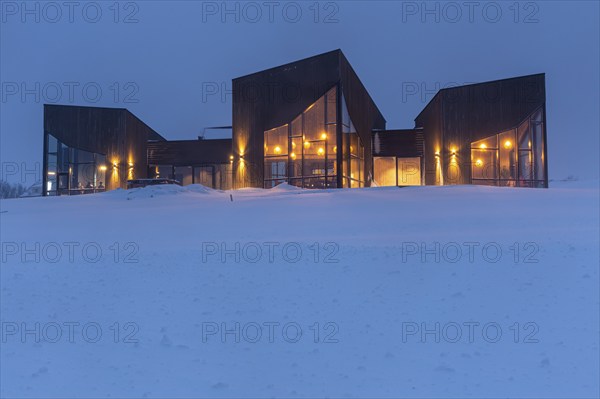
[400,143]
[274,97]
[458,116]
[113,132]
[189,152]
[443,134]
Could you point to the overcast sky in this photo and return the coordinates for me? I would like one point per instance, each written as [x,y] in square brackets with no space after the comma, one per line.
[171,63]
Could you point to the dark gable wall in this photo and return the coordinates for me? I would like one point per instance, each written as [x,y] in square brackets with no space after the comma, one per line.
[460,115]
[271,98]
[115,132]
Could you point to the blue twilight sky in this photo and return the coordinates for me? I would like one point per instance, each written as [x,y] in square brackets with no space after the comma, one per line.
[171,63]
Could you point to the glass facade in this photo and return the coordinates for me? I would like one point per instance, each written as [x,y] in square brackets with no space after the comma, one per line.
[304,151]
[70,171]
[512,158]
[353,153]
[397,171]
[217,176]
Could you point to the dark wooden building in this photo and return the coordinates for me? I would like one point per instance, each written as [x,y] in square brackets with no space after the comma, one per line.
[311,123]
[312,111]
[90,149]
[206,162]
[487,133]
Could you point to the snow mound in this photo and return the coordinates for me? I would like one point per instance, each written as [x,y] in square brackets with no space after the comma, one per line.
[159,190]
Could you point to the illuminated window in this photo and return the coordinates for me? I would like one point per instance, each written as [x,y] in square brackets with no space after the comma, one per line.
[303,152]
[70,171]
[511,158]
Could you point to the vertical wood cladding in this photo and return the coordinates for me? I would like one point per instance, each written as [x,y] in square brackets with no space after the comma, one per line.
[189,152]
[274,97]
[398,143]
[114,132]
[457,116]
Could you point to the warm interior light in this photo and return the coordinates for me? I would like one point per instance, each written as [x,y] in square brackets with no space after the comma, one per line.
[335,149]
[507,144]
[51,173]
[231,157]
[479,162]
[306,144]
[293,145]
[293,155]
[320,151]
[483,146]
[102,168]
[323,136]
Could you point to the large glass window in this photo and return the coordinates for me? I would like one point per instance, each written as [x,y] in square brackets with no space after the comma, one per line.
[409,171]
[384,169]
[304,151]
[394,171]
[511,158]
[353,152]
[217,176]
[70,171]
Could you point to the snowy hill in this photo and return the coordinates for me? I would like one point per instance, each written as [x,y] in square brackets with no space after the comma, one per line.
[167,291]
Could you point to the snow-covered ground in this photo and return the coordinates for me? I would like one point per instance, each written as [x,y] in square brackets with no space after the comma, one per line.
[458,291]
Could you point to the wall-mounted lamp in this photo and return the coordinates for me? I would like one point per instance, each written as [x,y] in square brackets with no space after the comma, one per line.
[102,168]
